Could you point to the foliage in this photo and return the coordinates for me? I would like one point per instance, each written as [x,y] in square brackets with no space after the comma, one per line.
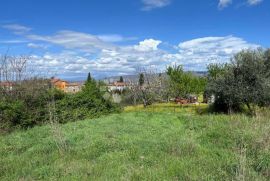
[33,102]
[184,83]
[141,79]
[86,104]
[245,81]
[26,105]
[89,78]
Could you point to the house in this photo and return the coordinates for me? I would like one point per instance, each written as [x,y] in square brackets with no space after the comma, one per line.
[117,86]
[73,87]
[59,84]
[7,85]
[66,86]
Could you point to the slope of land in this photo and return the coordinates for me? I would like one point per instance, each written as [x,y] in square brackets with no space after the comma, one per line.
[136,145]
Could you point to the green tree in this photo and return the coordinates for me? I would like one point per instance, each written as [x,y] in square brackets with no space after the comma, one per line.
[184,83]
[89,78]
[244,81]
[121,79]
[141,79]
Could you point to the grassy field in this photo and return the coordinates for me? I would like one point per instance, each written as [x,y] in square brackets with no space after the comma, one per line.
[159,143]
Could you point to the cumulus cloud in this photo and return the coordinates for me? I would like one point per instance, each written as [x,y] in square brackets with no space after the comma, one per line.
[194,54]
[148,45]
[152,4]
[224,3]
[78,53]
[199,52]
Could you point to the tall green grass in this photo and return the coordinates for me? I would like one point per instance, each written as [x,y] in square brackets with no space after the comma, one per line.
[137,145]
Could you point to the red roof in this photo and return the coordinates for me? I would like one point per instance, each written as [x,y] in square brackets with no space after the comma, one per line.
[54,80]
[119,84]
[6,84]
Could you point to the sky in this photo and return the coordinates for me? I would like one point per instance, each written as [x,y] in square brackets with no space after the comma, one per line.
[69,38]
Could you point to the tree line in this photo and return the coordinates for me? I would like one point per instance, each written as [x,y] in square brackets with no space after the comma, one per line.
[242,84]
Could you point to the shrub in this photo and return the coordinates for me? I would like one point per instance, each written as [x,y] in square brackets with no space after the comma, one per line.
[27,105]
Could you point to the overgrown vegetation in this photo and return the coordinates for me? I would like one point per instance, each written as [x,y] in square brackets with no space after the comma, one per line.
[27,100]
[88,103]
[143,146]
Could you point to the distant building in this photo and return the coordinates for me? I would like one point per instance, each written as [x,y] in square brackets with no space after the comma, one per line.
[66,86]
[73,87]
[117,86]
[59,84]
[7,85]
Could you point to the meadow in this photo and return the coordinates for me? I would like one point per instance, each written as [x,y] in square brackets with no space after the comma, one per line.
[162,142]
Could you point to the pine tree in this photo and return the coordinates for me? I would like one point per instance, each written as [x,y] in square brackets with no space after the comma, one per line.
[89,78]
[91,86]
[121,79]
[141,79]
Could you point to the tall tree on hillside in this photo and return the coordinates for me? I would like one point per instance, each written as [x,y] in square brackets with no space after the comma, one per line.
[89,78]
[121,79]
[141,79]
[91,86]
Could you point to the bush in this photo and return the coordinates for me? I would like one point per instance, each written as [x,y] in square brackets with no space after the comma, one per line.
[83,105]
[26,106]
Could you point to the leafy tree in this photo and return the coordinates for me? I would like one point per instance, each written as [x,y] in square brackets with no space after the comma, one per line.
[216,70]
[184,83]
[244,81]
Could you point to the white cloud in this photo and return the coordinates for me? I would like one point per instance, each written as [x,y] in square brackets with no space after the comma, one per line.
[199,52]
[82,52]
[254,2]
[224,3]
[194,54]
[16,28]
[152,4]
[148,45]
[38,46]
[74,40]
[115,38]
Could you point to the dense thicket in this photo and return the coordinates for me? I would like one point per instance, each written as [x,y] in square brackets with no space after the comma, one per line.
[88,103]
[35,102]
[245,82]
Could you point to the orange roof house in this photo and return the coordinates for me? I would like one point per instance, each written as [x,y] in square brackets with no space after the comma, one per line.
[66,86]
[59,84]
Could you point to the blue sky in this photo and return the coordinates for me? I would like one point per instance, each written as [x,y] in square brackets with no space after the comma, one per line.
[69,38]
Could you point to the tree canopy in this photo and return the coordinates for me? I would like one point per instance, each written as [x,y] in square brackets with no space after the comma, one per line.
[244,81]
[184,83]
